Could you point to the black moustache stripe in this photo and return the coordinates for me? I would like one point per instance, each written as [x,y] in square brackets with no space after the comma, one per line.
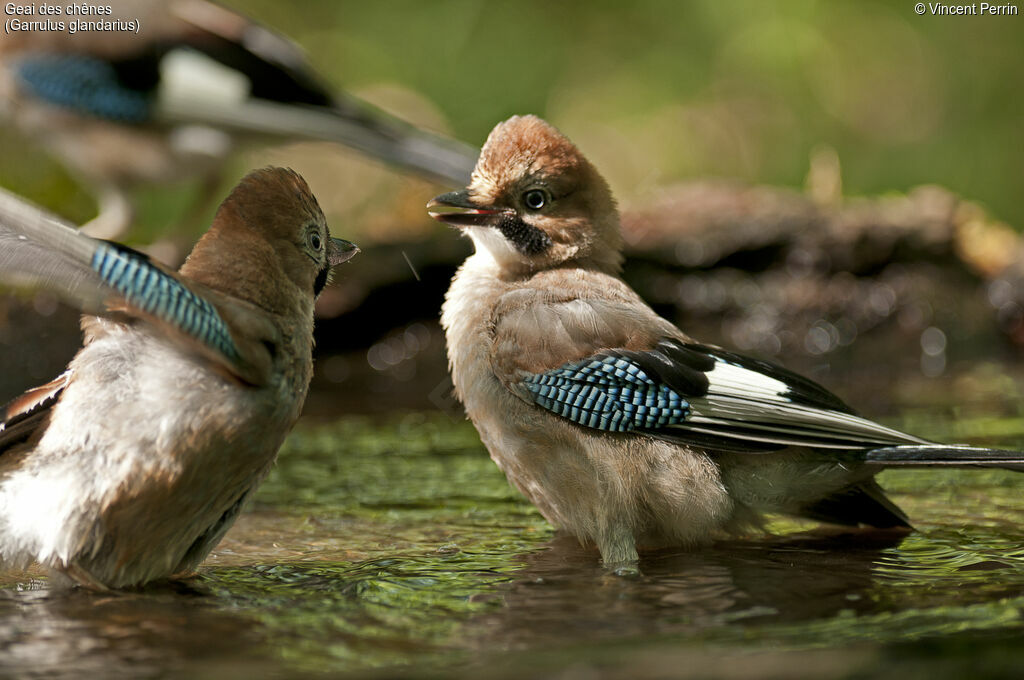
[528,239]
[321,279]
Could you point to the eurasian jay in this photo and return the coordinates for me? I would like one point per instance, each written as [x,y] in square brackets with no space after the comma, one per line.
[619,427]
[133,464]
[170,100]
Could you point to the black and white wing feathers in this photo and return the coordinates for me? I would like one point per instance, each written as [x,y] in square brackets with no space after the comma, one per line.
[699,395]
[226,72]
[24,415]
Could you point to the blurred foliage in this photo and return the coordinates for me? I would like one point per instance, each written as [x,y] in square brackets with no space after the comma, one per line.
[655,91]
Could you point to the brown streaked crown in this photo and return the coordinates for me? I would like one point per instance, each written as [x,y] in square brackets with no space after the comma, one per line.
[576,222]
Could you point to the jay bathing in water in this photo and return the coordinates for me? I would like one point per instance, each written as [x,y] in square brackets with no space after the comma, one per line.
[133,464]
[619,427]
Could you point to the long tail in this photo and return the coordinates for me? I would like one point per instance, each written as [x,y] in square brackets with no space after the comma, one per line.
[353,124]
[945,455]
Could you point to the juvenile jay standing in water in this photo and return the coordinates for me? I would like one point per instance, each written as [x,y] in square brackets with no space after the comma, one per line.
[120,108]
[619,427]
[133,464]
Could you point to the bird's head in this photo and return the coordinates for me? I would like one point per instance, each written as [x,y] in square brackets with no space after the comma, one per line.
[269,241]
[535,202]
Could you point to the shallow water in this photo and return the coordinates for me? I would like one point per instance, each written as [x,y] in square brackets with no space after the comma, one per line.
[386,546]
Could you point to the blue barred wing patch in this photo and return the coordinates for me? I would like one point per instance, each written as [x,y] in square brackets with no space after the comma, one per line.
[85,84]
[608,393]
[151,290]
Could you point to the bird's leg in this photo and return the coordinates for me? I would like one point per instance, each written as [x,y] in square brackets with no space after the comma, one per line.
[83,578]
[618,550]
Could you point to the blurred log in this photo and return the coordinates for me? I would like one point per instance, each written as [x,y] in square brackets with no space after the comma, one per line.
[783,275]
[759,261]
[895,285]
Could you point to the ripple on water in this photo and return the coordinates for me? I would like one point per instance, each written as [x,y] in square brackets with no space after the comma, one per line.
[398,543]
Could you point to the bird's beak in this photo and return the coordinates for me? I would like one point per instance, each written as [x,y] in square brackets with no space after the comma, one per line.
[458,211]
[339,250]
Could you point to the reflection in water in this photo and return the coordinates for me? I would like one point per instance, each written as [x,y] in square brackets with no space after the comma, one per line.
[562,594]
[62,633]
[400,545]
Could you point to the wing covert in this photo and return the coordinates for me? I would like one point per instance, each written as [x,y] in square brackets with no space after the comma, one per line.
[607,392]
[160,294]
[693,394]
[104,278]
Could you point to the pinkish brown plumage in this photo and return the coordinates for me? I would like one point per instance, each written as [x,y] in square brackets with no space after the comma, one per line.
[620,428]
[133,465]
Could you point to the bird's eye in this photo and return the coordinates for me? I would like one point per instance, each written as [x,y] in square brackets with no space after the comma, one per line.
[315,242]
[535,199]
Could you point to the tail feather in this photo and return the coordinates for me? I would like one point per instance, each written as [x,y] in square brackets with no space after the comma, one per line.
[945,455]
[374,133]
[859,504]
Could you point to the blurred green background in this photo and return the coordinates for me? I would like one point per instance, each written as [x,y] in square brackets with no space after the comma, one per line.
[654,91]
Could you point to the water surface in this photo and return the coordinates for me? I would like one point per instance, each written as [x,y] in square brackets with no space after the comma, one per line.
[393,545]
